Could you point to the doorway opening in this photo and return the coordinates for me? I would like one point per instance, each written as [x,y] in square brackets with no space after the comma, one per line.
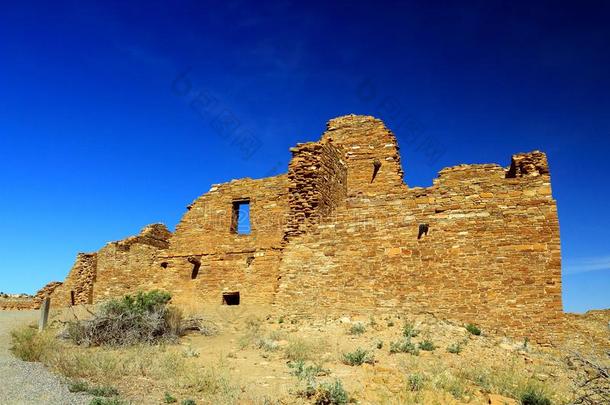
[72,298]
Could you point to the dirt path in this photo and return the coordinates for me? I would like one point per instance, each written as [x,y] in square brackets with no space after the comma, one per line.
[28,383]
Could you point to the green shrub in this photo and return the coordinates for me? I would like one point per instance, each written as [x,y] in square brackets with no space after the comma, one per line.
[404,346]
[143,318]
[357,329]
[304,372]
[358,357]
[188,402]
[78,386]
[455,348]
[169,399]
[416,382]
[107,401]
[150,301]
[427,345]
[473,329]
[534,396]
[103,391]
[409,330]
[331,394]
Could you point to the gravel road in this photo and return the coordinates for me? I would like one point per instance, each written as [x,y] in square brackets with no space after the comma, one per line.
[28,383]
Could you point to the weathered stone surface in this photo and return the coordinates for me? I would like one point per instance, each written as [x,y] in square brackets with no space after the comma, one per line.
[338,235]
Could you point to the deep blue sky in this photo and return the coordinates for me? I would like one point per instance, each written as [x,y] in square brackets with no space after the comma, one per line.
[97,140]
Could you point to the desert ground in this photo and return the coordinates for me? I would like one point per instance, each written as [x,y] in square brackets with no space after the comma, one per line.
[254,356]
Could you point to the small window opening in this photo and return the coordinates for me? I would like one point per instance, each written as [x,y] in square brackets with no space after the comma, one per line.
[240,217]
[196,265]
[164,265]
[249,261]
[376,167]
[72,298]
[230,298]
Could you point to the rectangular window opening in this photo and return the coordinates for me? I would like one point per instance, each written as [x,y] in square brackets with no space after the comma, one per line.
[240,217]
[72,298]
[230,298]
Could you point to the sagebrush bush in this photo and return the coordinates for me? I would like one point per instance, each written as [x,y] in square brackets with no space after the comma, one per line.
[143,318]
[455,348]
[416,381]
[473,329]
[534,396]
[358,357]
[169,398]
[150,301]
[404,346]
[331,394]
[107,401]
[427,345]
[305,372]
[357,329]
[409,330]
[102,391]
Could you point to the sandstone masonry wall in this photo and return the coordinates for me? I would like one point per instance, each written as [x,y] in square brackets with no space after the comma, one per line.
[492,254]
[318,185]
[340,234]
[367,141]
[130,265]
[78,286]
[207,257]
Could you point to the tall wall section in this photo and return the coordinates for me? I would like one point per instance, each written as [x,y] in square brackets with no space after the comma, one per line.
[78,286]
[367,144]
[491,256]
[208,257]
[318,185]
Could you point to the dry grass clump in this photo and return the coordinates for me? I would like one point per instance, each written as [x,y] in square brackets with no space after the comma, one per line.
[29,345]
[256,336]
[113,366]
[300,349]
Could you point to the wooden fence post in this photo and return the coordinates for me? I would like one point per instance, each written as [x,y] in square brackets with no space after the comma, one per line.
[44,314]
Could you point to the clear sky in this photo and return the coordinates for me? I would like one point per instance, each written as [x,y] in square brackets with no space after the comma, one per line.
[98,138]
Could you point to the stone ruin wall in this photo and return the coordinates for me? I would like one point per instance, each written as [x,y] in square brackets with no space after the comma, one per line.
[118,268]
[206,258]
[366,140]
[318,185]
[338,234]
[131,264]
[491,257]
[78,286]
[28,302]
